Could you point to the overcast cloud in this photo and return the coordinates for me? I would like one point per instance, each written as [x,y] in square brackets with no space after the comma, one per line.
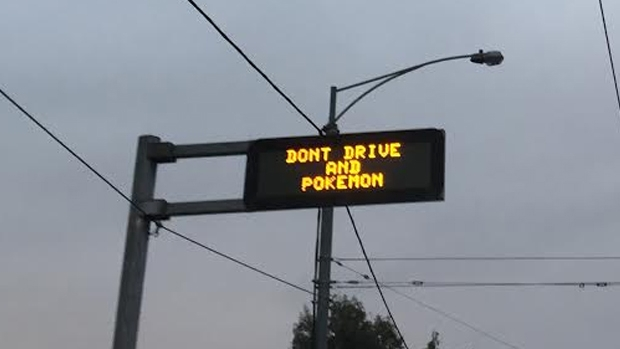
[532,165]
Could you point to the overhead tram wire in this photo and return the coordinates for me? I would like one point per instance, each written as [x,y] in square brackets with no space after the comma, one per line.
[361,284]
[480,258]
[366,284]
[438,311]
[254,66]
[609,53]
[454,318]
[133,204]
[232,259]
[71,151]
[344,266]
[374,277]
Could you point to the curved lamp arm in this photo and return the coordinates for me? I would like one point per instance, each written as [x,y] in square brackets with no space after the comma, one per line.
[489,58]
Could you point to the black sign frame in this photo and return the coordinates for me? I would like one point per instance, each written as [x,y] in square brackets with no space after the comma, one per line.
[435,192]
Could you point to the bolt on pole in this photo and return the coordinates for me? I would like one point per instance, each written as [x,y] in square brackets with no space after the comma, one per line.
[136,247]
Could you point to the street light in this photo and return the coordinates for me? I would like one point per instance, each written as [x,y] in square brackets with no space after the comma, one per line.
[490,58]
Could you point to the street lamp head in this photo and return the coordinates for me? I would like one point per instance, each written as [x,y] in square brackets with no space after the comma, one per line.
[489,58]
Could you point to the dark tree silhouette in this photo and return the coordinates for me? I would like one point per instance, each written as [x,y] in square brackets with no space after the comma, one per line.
[349,328]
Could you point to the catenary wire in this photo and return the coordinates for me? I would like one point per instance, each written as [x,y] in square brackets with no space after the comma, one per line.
[374,276]
[361,284]
[235,260]
[133,204]
[71,151]
[611,59]
[441,312]
[454,318]
[344,266]
[480,258]
[253,65]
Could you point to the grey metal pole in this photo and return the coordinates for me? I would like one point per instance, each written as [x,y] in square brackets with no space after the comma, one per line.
[325,248]
[136,246]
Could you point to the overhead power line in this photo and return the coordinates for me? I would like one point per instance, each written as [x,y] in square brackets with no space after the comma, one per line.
[436,310]
[68,149]
[362,284]
[365,283]
[344,266]
[609,53]
[235,260]
[374,276]
[480,258]
[454,318]
[253,65]
[112,186]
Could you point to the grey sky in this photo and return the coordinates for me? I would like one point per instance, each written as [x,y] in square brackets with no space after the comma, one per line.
[532,165]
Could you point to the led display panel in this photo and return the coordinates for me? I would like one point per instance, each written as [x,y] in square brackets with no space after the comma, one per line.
[347,169]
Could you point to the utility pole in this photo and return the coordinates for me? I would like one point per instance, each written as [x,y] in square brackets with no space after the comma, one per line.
[325,248]
[490,58]
[136,246]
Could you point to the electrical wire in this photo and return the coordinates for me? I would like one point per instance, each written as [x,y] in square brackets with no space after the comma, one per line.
[441,312]
[132,203]
[611,59]
[361,284]
[365,276]
[482,258]
[235,260]
[137,207]
[374,277]
[253,65]
[365,284]
[71,151]
[454,318]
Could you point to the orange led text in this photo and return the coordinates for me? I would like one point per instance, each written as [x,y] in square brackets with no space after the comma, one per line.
[304,155]
[343,168]
[372,151]
[343,182]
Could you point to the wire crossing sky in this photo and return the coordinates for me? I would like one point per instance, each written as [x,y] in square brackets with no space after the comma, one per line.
[254,66]
[136,206]
[481,258]
[611,57]
[421,304]
[374,277]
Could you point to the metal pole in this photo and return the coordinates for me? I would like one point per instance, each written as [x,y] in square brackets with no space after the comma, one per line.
[136,246]
[325,249]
